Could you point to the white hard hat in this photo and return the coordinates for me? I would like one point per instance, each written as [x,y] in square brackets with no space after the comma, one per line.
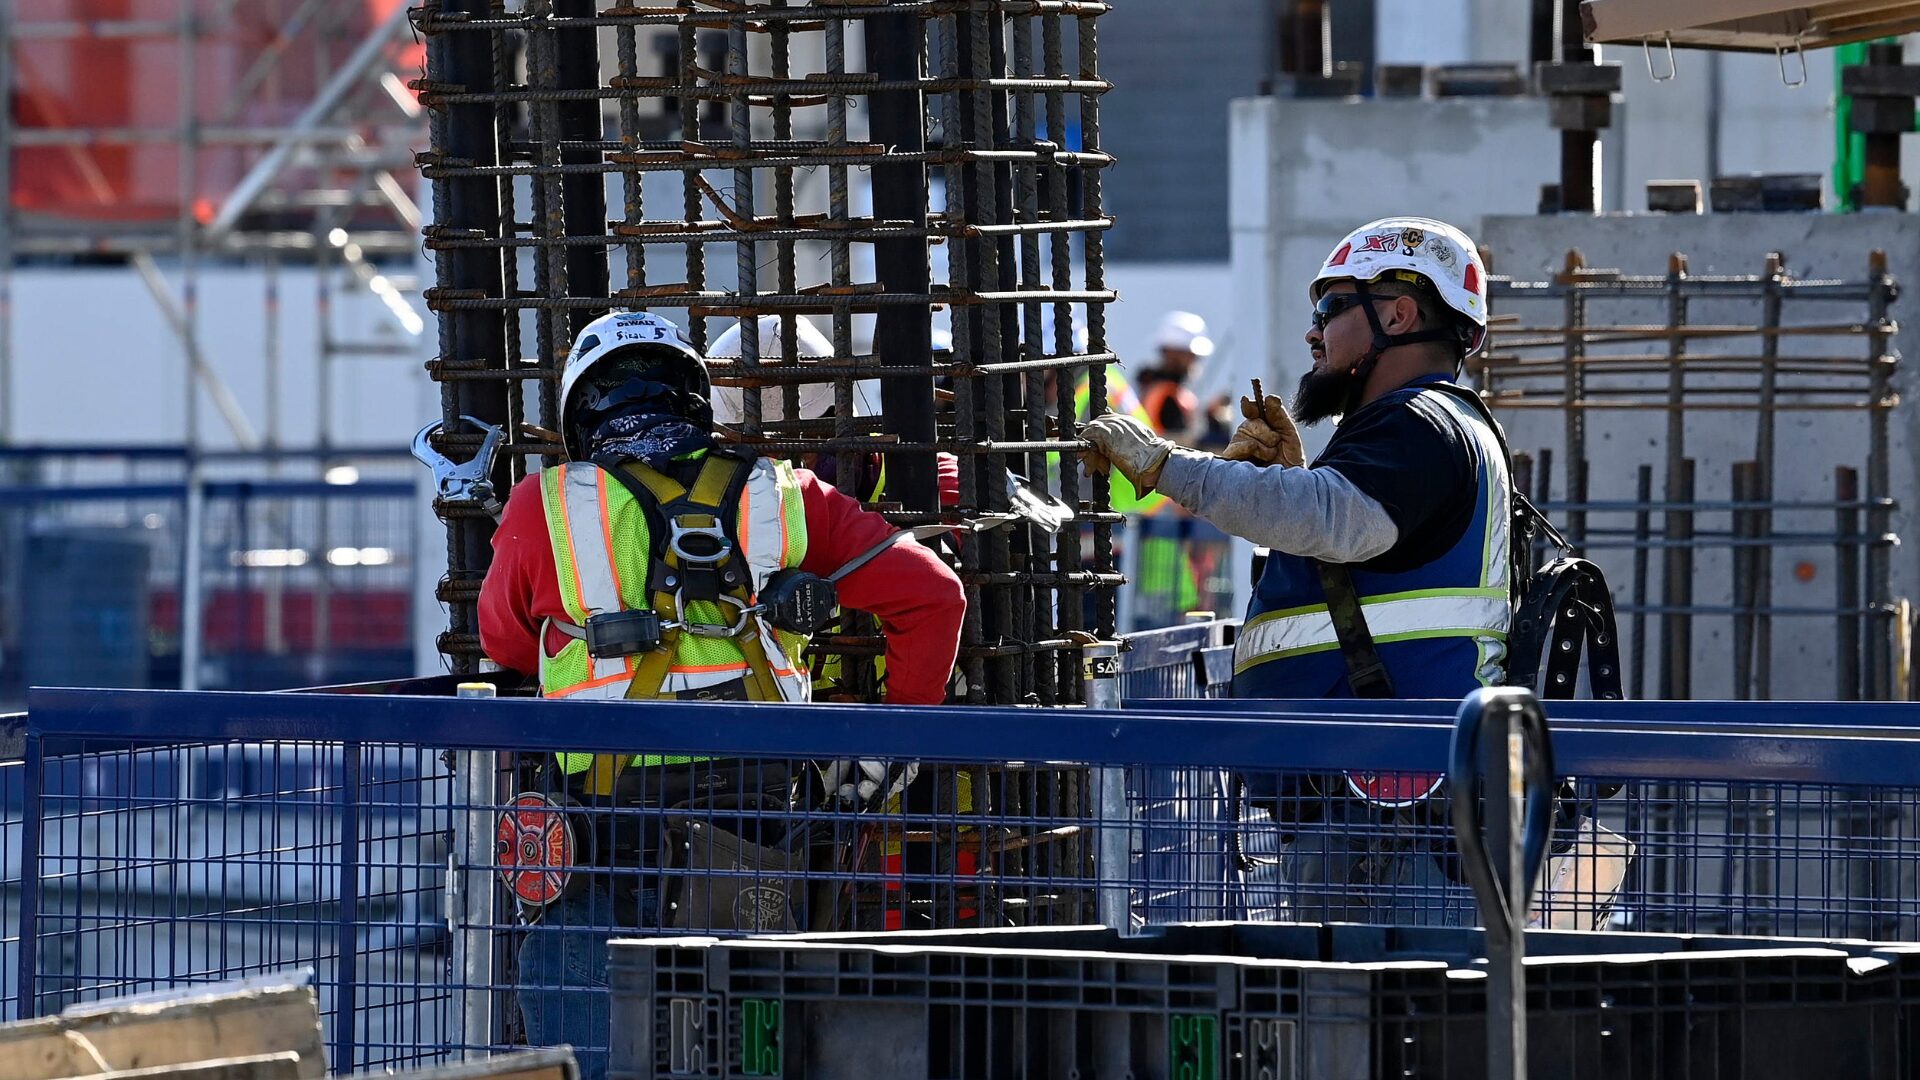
[729,402]
[1434,251]
[1185,332]
[621,332]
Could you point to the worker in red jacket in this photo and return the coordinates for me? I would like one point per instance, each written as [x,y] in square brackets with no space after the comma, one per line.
[658,563]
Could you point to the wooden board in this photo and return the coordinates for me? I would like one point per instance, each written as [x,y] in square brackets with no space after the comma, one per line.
[250,1018]
[1746,25]
[282,1066]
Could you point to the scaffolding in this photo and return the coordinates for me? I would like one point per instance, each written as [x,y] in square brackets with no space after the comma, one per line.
[313,131]
[272,134]
[588,156]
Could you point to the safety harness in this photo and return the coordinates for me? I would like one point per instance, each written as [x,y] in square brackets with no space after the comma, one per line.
[1561,610]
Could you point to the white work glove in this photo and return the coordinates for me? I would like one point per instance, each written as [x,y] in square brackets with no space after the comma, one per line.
[869,783]
[1267,435]
[1128,445]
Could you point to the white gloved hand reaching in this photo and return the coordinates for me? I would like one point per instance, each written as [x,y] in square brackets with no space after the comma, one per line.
[1128,445]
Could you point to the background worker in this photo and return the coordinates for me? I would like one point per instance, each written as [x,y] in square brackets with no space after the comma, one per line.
[650,513]
[868,479]
[1406,510]
[1181,345]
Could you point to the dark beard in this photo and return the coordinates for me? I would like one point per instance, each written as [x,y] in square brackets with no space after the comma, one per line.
[1320,396]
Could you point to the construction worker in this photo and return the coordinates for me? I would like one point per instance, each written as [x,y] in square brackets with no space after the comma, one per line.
[869,477]
[1389,570]
[637,569]
[1181,344]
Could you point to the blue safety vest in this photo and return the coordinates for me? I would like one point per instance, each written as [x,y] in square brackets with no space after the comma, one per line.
[1441,627]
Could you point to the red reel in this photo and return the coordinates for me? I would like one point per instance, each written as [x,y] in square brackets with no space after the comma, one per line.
[1393,790]
[534,849]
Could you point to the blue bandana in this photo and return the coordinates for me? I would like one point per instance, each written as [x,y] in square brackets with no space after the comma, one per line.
[653,439]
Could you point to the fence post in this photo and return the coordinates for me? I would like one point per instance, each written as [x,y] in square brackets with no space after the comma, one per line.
[1114,851]
[192,573]
[471,910]
[347,924]
[28,1005]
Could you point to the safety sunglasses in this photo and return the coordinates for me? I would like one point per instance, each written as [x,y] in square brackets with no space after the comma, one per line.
[1333,305]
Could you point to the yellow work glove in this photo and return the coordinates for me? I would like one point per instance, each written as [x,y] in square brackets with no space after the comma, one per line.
[1267,435]
[1128,445]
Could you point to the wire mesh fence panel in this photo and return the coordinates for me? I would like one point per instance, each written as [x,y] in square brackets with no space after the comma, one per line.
[299,581]
[462,900]
[170,865]
[306,584]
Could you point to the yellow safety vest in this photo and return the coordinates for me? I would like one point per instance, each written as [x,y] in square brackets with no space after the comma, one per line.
[602,552]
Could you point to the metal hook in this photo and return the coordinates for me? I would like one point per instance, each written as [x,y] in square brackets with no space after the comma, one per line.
[1646,46]
[1780,54]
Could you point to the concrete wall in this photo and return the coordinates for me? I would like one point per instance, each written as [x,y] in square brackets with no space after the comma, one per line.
[1810,444]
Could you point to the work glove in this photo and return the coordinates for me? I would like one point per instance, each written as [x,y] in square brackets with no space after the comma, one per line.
[868,783]
[1123,443]
[1267,435]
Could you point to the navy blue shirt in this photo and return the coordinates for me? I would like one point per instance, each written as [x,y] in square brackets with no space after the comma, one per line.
[1417,464]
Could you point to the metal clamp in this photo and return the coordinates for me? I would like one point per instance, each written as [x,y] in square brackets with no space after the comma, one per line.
[470,481]
[741,624]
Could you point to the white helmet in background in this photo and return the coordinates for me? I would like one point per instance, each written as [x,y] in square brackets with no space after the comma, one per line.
[1183,331]
[816,398]
[617,335]
[1420,248]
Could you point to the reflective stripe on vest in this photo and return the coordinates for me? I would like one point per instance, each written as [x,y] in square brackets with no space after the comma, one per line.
[601,553]
[1399,617]
[1462,593]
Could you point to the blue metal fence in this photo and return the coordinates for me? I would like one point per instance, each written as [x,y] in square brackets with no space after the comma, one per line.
[119,566]
[190,837]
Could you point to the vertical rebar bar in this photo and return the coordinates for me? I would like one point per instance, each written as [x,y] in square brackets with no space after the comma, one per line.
[1881,401]
[577,126]
[470,338]
[1744,482]
[1642,540]
[896,47]
[1848,544]
[1760,563]
[1675,646]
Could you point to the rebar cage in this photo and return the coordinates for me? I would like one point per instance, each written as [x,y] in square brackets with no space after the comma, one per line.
[723,162]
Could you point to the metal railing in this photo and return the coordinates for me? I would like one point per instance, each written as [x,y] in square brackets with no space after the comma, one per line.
[188,837]
[148,566]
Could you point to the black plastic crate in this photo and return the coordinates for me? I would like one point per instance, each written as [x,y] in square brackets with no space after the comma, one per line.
[1252,1002]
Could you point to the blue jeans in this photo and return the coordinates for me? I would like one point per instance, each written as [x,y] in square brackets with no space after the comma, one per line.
[563,973]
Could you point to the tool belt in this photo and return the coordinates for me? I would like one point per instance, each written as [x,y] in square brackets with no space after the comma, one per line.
[734,816]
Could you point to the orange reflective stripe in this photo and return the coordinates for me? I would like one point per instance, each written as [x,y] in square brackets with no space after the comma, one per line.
[591,684]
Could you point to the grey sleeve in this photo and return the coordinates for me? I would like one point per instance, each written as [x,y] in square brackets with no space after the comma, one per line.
[1316,513]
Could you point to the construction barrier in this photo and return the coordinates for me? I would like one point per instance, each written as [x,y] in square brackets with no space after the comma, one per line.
[145,567]
[191,837]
